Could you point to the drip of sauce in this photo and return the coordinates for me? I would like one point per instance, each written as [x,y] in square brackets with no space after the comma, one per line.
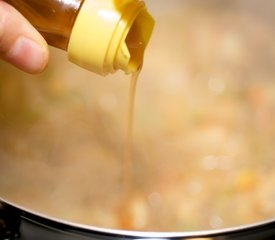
[126,211]
[131,106]
[128,161]
[132,197]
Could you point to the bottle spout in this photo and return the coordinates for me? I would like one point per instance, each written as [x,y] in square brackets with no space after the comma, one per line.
[109,35]
[131,51]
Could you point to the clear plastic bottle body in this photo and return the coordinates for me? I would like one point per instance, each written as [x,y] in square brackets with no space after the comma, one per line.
[54,19]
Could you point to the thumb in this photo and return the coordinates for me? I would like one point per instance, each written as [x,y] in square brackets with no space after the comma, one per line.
[20,43]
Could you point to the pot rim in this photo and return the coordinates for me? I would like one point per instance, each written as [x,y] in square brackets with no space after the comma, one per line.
[53,222]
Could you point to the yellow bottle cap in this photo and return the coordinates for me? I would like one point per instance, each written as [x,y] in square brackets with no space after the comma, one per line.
[109,35]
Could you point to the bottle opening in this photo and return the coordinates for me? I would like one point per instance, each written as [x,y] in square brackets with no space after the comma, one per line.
[131,51]
[138,38]
[122,29]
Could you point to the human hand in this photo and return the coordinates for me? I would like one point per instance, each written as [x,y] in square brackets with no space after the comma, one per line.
[20,43]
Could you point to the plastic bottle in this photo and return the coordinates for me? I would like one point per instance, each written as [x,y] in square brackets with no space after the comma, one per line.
[99,35]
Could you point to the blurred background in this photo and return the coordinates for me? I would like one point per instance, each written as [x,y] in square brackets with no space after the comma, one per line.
[204,127]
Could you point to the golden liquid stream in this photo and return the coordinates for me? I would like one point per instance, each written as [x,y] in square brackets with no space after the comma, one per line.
[128,161]
[126,217]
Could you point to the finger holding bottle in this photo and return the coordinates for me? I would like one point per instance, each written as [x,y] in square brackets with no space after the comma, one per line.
[20,43]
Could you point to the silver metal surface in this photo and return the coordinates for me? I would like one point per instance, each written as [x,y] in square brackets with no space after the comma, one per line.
[27,225]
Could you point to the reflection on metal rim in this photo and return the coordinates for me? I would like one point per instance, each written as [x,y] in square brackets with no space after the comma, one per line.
[19,223]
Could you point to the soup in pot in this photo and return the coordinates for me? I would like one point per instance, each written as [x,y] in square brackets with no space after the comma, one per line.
[203,135]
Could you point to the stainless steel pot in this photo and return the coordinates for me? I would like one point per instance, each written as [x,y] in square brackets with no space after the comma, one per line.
[19,223]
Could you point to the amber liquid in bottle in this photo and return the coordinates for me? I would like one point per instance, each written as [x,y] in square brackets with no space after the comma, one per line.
[54,19]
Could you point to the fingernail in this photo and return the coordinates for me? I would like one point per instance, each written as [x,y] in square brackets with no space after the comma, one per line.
[28,55]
